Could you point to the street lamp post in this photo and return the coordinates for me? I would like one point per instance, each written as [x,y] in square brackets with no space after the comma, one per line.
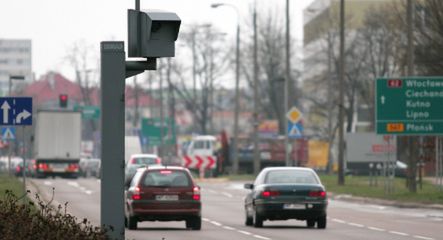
[237,80]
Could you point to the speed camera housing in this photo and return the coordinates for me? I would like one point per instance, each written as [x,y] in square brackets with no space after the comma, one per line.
[152,34]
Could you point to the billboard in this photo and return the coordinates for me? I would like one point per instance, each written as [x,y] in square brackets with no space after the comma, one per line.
[369,147]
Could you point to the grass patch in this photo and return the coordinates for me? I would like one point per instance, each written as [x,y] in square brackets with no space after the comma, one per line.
[10,183]
[240,177]
[359,186]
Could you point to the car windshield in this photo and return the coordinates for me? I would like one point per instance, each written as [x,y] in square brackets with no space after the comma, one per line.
[290,176]
[144,160]
[166,177]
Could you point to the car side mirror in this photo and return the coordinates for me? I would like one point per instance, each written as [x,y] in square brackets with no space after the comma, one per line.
[127,184]
[249,186]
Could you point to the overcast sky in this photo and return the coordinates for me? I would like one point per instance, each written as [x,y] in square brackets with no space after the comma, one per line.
[54,25]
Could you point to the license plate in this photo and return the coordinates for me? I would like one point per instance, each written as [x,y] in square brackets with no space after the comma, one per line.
[294,206]
[166,197]
[60,167]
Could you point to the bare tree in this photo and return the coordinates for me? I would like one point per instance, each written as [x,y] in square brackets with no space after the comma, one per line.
[210,60]
[271,52]
[82,59]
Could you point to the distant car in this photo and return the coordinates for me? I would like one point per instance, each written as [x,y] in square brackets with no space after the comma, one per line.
[282,193]
[140,160]
[89,167]
[162,193]
[18,168]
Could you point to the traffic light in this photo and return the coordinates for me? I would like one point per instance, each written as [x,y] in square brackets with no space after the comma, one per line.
[63,100]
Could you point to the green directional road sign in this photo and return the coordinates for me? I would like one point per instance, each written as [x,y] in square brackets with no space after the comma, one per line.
[409,106]
[151,129]
[88,112]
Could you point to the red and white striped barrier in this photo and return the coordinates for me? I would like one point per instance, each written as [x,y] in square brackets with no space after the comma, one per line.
[200,162]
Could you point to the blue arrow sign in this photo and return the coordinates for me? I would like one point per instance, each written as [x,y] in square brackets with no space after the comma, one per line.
[8,133]
[16,111]
[295,130]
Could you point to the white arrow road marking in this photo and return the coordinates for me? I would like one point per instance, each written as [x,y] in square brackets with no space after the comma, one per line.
[5,107]
[383,98]
[22,116]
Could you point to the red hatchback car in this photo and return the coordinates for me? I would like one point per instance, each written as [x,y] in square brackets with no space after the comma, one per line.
[163,194]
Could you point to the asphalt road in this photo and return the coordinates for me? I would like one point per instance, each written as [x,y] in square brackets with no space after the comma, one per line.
[223,216]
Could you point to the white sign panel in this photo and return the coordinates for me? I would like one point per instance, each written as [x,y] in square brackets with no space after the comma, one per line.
[369,147]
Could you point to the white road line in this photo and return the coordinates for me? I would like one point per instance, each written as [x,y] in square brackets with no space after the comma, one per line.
[377,229]
[212,191]
[244,232]
[229,228]
[74,184]
[399,233]
[88,192]
[47,183]
[424,238]
[338,220]
[355,225]
[227,194]
[261,237]
[216,223]
[205,219]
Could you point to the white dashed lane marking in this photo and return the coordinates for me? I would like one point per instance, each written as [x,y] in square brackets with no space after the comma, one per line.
[381,229]
[234,229]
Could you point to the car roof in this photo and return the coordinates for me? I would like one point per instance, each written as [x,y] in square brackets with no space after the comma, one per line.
[159,167]
[288,168]
[143,155]
[204,137]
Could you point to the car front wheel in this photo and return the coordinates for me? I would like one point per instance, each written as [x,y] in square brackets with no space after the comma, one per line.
[249,221]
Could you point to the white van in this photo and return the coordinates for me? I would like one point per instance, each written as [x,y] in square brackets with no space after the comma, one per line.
[204,145]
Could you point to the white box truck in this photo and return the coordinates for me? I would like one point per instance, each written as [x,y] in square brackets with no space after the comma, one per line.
[57,143]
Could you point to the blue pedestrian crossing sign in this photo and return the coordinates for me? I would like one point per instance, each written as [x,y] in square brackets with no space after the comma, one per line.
[16,111]
[8,133]
[295,130]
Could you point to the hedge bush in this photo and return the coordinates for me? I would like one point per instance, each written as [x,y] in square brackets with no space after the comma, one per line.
[23,219]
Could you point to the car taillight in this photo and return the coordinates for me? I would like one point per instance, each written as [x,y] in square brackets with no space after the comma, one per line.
[17,169]
[43,166]
[133,161]
[270,193]
[320,194]
[72,167]
[136,194]
[196,193]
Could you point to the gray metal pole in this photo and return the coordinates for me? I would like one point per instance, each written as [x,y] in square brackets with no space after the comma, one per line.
[341,176]
[237,100]
[162,117]
[412,141]
[9,142]
[24,162]
[286,83]
[256,82]
[113,134]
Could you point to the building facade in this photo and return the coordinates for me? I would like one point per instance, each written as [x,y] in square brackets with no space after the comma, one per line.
[15,60]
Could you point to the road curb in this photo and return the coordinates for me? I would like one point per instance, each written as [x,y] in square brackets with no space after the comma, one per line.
[392,203]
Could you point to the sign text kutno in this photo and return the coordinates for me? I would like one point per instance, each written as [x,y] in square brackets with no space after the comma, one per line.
[409,106]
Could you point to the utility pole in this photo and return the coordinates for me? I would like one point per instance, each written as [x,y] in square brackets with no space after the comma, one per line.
[411,141]
[256,82]
[136,107]
[341,175]
[287,83]
[162,116]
